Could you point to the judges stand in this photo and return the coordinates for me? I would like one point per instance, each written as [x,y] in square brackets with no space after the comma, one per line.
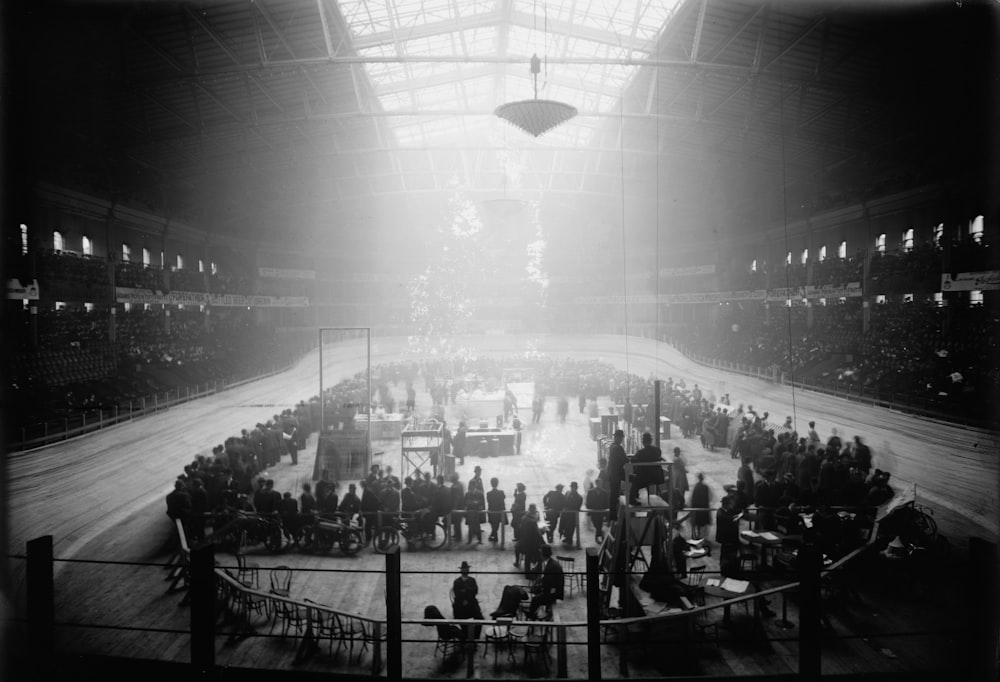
[421,442]
[621,555]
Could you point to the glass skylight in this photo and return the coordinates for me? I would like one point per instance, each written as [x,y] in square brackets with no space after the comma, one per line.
[487,50]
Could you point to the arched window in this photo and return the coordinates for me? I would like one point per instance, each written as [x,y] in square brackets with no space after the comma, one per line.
[938,234]
[180,262]
[842,250]
[805,256]
[753,265]
[201,265]
[57,241]
[788,258]
[126,253]
[880,243]
[908,240]
[976,230]
[822,253]
[88,246]
[145,257]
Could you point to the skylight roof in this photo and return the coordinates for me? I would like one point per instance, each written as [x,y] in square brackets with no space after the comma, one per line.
[486,51]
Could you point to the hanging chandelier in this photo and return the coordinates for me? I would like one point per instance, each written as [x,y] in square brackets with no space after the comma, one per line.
[535,116]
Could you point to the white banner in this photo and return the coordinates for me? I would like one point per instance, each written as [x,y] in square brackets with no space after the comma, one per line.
[286,273]
[17,289]
[706,297]
[689,270]
[129,295]
[851,289]
[988,280]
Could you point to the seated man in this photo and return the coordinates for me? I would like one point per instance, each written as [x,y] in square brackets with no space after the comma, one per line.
[549,587]
[510,600]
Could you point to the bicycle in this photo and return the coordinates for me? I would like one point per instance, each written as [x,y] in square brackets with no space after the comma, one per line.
[410,527]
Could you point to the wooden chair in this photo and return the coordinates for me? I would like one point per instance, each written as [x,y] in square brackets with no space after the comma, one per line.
[536,647]
[572,578]
[281,581]
[450,637]
[248,574]
[324,625]
[695,575]
[350,630]
[499,637]
[748,555]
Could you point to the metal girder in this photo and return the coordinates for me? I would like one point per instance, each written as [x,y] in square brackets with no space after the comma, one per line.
[568,28]
[430,29]
[326,28]
[259,5]
[799,37]
[698,29]
[718,49]
[178,65]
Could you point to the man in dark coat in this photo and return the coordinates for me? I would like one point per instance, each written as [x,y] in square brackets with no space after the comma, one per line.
[529,540]
[597,499]
[440,506]
[495,505]
[550,586]
[644,476]
[615,473]
[465,592]
[351,504]
[553,503]
[179,503]
[458,443]
[370,506]
[571,513]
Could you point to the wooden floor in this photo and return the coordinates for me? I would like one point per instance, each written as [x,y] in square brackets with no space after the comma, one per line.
[101,497]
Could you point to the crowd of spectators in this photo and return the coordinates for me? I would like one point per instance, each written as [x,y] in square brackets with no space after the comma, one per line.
[918,349]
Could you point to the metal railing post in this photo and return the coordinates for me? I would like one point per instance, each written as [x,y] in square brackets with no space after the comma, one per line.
[41,598]
[203,609]
[593,616]
[394,616]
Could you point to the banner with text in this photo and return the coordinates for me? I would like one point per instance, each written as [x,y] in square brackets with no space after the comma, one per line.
[23,290]
[130,295]
[689,270]
[706,297]
[286,273]
[988,280]
[18,289]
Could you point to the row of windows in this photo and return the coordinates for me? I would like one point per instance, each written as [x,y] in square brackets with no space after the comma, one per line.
[976,229]
[87,249]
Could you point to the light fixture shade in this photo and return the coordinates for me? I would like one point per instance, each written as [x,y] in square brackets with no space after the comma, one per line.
[536,116]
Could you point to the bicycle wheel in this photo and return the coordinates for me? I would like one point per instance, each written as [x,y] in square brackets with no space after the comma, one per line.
[351,541]
[385,540]
[436,537]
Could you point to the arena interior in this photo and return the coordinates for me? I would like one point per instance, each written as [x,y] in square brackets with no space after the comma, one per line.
[289,282]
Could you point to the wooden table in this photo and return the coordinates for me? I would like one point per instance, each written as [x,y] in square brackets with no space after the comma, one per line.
[729,588]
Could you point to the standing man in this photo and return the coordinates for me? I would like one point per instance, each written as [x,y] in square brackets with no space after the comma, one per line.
[496,506]
[554,502]
[536,408]
[458,443]
[571,514]
[645,475]
[597,500]
[616,473]
[517,426]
